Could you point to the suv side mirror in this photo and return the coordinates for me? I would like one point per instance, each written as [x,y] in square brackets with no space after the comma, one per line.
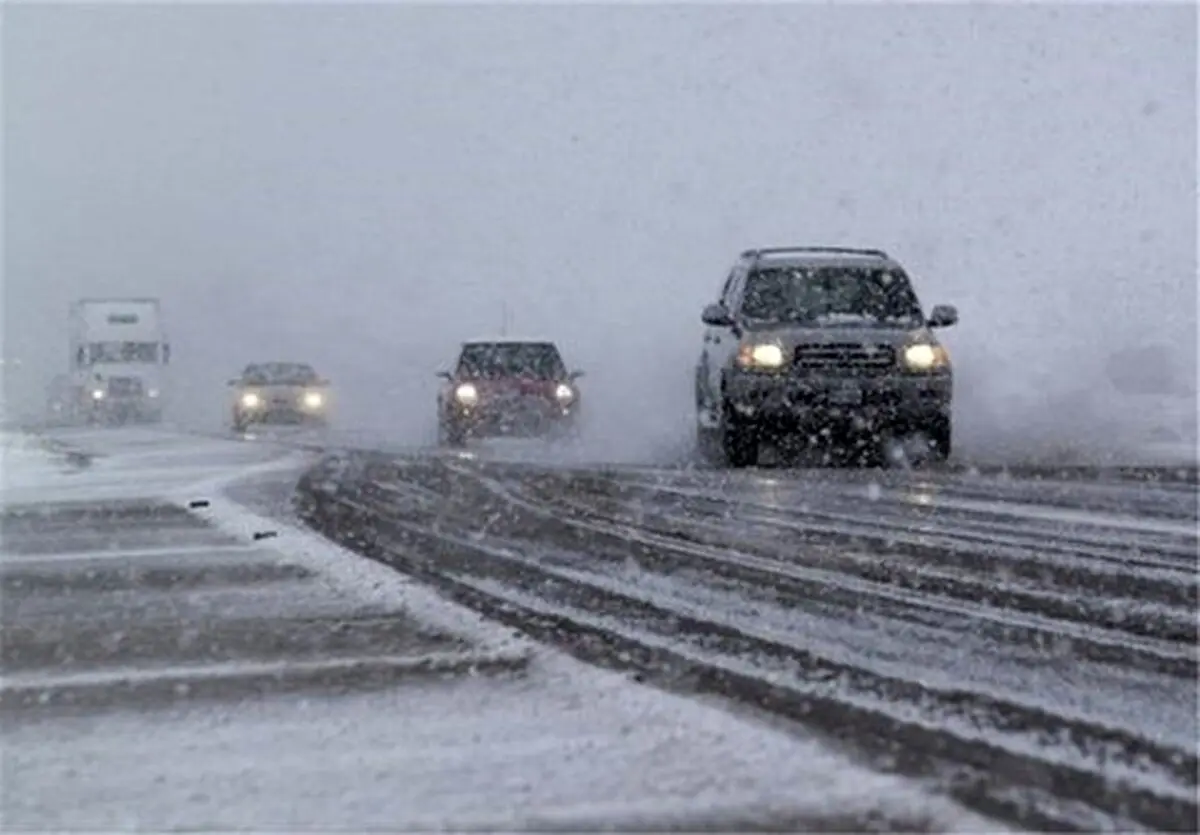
[445,375]
[717,316]
[574,375]
[943,316]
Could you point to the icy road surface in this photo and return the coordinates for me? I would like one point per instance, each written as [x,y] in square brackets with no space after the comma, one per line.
[163,668]
[1029,641]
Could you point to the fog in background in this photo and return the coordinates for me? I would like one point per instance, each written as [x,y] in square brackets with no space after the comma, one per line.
[363,187]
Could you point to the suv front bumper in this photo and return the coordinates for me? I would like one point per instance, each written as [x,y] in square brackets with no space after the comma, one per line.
[812,400]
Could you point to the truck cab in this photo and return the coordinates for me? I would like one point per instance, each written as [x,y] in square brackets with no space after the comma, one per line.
[119,354]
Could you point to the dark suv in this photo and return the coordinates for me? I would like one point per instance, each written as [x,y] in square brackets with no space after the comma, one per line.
[825,343]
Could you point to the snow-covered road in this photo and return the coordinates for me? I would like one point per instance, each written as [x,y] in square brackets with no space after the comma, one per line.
[1039,634]
[174,658]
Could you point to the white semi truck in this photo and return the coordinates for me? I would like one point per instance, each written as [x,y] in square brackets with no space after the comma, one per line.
[119,352]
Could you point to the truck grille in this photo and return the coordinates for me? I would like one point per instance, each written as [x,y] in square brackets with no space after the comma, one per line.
[848,358]
[125,386]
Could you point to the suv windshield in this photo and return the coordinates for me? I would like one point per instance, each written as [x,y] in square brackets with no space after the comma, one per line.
[279,373]
[511,359]
[831,296]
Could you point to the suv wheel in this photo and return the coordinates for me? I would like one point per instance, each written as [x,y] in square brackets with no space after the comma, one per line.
[940,434]
[739,441]
[450,435]
[932,444]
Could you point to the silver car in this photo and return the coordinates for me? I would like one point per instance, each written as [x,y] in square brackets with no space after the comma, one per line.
[279,392]
[822,344]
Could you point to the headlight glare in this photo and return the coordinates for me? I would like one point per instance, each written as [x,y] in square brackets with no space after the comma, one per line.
[251,400]
[466,394]
[564,393]
[923,357]
[98,394]
[766,355]
[313,399]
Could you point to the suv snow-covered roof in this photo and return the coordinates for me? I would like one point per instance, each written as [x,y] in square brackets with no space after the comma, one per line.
[817,255]
[509,340]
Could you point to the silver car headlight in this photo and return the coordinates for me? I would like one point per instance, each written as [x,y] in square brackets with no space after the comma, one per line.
[466,394]
[250,400]
[761,355]
[926,357]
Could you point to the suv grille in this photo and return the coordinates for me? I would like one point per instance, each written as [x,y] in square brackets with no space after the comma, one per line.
[125,386]
[846,358]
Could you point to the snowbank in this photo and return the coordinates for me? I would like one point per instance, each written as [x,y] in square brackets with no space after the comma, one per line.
[125,463]
[25,462]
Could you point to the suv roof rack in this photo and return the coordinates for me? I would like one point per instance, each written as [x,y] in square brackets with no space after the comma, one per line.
[844,250]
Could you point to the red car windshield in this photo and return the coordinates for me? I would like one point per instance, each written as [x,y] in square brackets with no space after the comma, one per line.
[539,360]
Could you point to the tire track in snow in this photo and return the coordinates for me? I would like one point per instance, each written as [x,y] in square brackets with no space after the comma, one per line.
[470,531]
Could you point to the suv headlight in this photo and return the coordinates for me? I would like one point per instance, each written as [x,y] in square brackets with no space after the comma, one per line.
[466,394]
[765,355]
[250,400]
[564,393]
[926,357]
[313,399]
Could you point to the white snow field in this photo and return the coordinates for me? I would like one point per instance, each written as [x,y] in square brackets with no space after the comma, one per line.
[557,745]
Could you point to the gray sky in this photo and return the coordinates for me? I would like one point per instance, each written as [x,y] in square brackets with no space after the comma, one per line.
[362,186]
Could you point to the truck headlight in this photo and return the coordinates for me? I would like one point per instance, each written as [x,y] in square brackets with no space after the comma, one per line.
[766,355]
[924,357]
[564,394]
[250,400]
[466,394]
[313,399]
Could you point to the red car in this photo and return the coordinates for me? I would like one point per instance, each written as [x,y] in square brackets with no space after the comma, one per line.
[507,387]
